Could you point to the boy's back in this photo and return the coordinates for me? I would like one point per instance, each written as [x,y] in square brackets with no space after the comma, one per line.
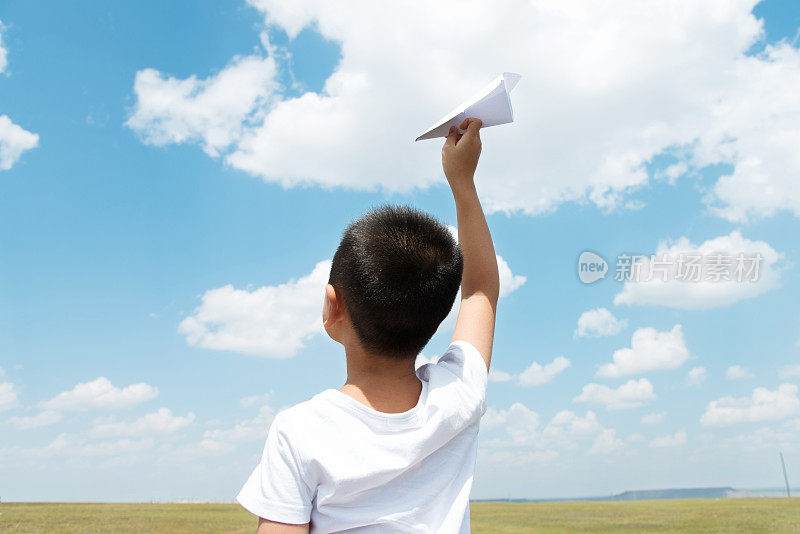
[394,449]
[348,467]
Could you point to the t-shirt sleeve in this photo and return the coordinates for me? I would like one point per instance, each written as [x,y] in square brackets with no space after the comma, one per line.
[277,490]
[465,361]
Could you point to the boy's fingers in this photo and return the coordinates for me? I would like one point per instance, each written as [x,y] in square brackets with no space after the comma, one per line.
[469,120]
[452,137]
[474,125]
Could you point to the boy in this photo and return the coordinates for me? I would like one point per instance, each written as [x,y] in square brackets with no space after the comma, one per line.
[392,450]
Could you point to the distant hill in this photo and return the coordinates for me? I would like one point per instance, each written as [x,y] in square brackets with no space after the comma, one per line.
[679,493]
[642,495]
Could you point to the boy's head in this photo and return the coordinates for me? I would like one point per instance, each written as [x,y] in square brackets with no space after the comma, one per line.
[396,274]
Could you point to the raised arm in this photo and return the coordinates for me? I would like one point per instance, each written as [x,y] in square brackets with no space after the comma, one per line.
[480,283]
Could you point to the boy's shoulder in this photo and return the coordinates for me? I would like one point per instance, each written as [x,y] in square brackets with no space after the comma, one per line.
[304,412]
[309,418]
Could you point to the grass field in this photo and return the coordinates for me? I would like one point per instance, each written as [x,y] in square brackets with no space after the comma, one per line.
[696,515]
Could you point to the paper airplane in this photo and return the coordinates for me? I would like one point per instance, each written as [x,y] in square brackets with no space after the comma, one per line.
[492,105]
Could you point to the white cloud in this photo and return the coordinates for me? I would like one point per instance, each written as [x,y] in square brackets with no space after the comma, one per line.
[160,422]
[595,92]
[737,372]
[520,422]
[599,322]
[70,446]
[43,418]
[670,440]
[653,418]
[537,375]
[255,400]
[100,394]
[785,438]
[509,282]
[495,375]
[631,394]
[762,405]
[3,51]
[565,431]
[270,321]
[696,376]
[14,140]
[681,291]
[8,396]
[650,350]
[789,371]
[212,112]
[226,439]
[606,442]
[566,426]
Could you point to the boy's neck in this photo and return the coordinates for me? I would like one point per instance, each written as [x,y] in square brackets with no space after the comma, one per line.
[383,383]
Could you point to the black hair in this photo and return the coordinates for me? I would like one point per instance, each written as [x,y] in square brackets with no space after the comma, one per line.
[398,271]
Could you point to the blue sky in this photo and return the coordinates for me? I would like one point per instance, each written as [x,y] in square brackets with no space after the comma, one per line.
[128,211]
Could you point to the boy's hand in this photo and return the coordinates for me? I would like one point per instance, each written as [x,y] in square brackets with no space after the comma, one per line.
[460,153]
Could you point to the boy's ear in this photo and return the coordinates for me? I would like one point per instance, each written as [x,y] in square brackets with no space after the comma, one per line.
[332,308]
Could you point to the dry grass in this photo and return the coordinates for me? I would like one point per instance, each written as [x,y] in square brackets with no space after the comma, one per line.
[696,515]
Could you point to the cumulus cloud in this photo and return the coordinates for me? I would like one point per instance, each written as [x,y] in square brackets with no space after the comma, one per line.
[225,439]
[789,371]
[495,375]
[565,431]
[650,350]
[509,282]
[535,375]
[763,405]
[718,272]
[653,418]
[8,396]
[3,51]
[254,400]
[70,446]
[631,394]
[599,322]
[670,440]
[270,321]
[213,112]
[519,421]
[14,140]
[100,394]
[160,422]
[737,372]
[715,104]
[43,418]
[606,442]
[784,438]
[696,376]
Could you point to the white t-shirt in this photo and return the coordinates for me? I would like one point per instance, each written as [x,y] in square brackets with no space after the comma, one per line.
[346,467]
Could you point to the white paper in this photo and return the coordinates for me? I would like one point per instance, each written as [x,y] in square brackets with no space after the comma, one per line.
[492,105]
